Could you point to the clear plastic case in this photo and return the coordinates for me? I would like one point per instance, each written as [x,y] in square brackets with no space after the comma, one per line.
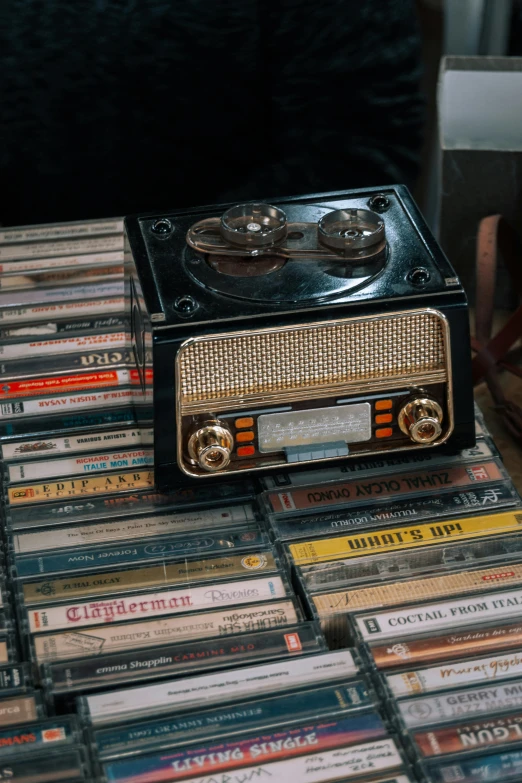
[136,703]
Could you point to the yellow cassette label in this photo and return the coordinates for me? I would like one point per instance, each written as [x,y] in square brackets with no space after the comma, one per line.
[99,485]
[341,547]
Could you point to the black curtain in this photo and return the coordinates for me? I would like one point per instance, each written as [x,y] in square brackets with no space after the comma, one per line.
[118,106]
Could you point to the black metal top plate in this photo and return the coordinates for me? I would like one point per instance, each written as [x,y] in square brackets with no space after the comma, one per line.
[164,263]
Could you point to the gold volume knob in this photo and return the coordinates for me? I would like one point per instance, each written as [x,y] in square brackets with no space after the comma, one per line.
[211,445]
[421,419]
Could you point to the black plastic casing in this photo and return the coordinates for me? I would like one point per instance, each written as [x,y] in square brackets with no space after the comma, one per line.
[156,278]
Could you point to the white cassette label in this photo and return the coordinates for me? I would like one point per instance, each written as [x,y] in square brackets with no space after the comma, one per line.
[57,405]
[81,229]
[75,444]
[435,616]
[455,673]
[96,463]
[91,259]
[468,702]
[65,345]
[122,636]
[129,529]
[63,294]
[189,599]
[211,688]
[63,247]
[51,312]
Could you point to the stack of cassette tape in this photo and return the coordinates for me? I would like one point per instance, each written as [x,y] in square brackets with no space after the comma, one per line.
[153,636]
[357,624]
[417,564]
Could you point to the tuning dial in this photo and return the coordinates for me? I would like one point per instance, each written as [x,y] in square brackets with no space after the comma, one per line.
[210,445]
[421,419]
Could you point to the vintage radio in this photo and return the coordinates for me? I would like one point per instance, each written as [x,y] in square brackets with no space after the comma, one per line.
[305,332]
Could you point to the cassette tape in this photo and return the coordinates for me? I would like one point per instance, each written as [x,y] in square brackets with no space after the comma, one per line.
[213,689]
[235,753]
[92,464]
[129,636]
[51,313]
[379,466]
[472,703]
[169,512]
[497,765]
[371,570]
[81,487]
[23,708]
[377,756]
[358,492]
[23,276]
[453,674]
[8,647]
[42,406]
[469,736]
[14,679]
[225,519]
[48,766]
[85,420]
[56,386]
[398,538]
[460,642]
[439,505]
[161,573]
[75,327]
[256,714]
[58,239]
[422,588]
[43,348]
[20,300]
[30,450]
[59,270]
[35,737]
[34,369]
[63,681]
[452,615]
[141,606]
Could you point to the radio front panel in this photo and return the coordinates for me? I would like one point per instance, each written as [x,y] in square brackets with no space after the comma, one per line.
[303,333]
[314,392]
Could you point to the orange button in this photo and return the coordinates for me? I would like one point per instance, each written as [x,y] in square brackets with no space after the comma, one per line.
[384,432]
[383,405]
[245,451]
[383,418]
[243,437]
[247,421]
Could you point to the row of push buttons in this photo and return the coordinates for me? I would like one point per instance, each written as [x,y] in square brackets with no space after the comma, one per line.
[245,436]
[383,418]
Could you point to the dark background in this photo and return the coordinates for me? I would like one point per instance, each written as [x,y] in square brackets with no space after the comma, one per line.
[119,106]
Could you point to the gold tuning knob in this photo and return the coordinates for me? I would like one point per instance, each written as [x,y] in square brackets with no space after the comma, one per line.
[210,445]
[421,419]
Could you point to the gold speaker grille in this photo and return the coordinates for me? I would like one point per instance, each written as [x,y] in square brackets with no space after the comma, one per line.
[265,362]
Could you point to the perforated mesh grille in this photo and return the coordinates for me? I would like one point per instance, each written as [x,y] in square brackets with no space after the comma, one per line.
[311,357]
